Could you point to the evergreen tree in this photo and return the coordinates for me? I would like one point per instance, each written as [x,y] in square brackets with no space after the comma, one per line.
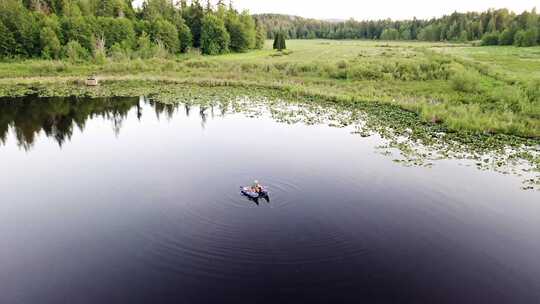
[108,8]
[154,9]
[184,33]
[260,37]
[7,42]
[279,41]
[250,31]
[193,15]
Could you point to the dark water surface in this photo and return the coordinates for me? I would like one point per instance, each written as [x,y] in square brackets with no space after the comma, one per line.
[136,202]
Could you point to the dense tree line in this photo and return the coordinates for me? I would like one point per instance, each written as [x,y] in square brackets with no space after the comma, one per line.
[93,29]
[492,27]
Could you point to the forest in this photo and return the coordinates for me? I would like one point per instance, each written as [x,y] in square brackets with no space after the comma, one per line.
[492,27]
[83,29]
[79,30]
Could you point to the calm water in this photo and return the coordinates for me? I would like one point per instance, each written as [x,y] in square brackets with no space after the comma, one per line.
[128,201]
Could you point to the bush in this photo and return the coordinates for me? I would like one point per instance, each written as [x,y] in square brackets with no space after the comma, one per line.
[50,45]
[390,34]
[23,26]
[533,91]
[185,37]
[145,48]
[526,38]
[162,31]
[490,38]
[75,53]
[507,37]
[119,53]
[361,72]
[239,36]
[465,81]
[214,36]
[117,30]
[78,29]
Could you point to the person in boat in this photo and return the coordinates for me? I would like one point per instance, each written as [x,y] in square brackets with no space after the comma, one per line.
[256,187]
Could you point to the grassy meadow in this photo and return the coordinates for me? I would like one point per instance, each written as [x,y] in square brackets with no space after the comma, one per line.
[488,90]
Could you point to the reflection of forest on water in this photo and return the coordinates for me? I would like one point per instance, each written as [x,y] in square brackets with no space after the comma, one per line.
[26,117]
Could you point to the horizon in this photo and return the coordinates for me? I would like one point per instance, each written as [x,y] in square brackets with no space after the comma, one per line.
[383,9]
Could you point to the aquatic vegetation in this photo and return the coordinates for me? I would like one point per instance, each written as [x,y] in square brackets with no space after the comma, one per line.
[460,101]
[407,139]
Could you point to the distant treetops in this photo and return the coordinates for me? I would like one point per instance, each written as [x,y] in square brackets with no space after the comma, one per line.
[93,29]
[496,26]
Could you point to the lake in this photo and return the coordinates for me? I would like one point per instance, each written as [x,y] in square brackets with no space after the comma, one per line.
[126,200]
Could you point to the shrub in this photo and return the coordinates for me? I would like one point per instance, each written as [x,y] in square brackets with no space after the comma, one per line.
[50,44]
[533,91]
[342,64]
[490,38]
[75,53]
[464,81]
[117,30]
[185,37]
[507,37]
[145,48]
[239,38]
[78,29]
[162,31]
[390,34]
[118,53]
[214,36]
[365,73]
[526,38]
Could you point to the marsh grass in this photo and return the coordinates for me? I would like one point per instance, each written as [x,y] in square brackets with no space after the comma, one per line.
[456,86]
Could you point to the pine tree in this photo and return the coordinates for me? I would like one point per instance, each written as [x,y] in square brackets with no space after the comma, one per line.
[193,15]
[260,37]
[279,42]
[7,41]
[282,44]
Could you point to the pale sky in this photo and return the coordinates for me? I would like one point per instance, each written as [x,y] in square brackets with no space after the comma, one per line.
[375,9]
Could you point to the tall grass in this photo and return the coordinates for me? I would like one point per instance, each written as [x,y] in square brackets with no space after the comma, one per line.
[454,90]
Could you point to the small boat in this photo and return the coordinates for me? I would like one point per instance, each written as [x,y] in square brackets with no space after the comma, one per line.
[251,194]
[92,81]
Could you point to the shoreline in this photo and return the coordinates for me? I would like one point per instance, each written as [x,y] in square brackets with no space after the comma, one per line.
[422,140]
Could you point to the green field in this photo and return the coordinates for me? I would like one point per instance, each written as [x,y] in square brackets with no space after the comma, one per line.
[464,88]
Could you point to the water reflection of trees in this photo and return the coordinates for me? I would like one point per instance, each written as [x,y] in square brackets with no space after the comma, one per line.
[57,117]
